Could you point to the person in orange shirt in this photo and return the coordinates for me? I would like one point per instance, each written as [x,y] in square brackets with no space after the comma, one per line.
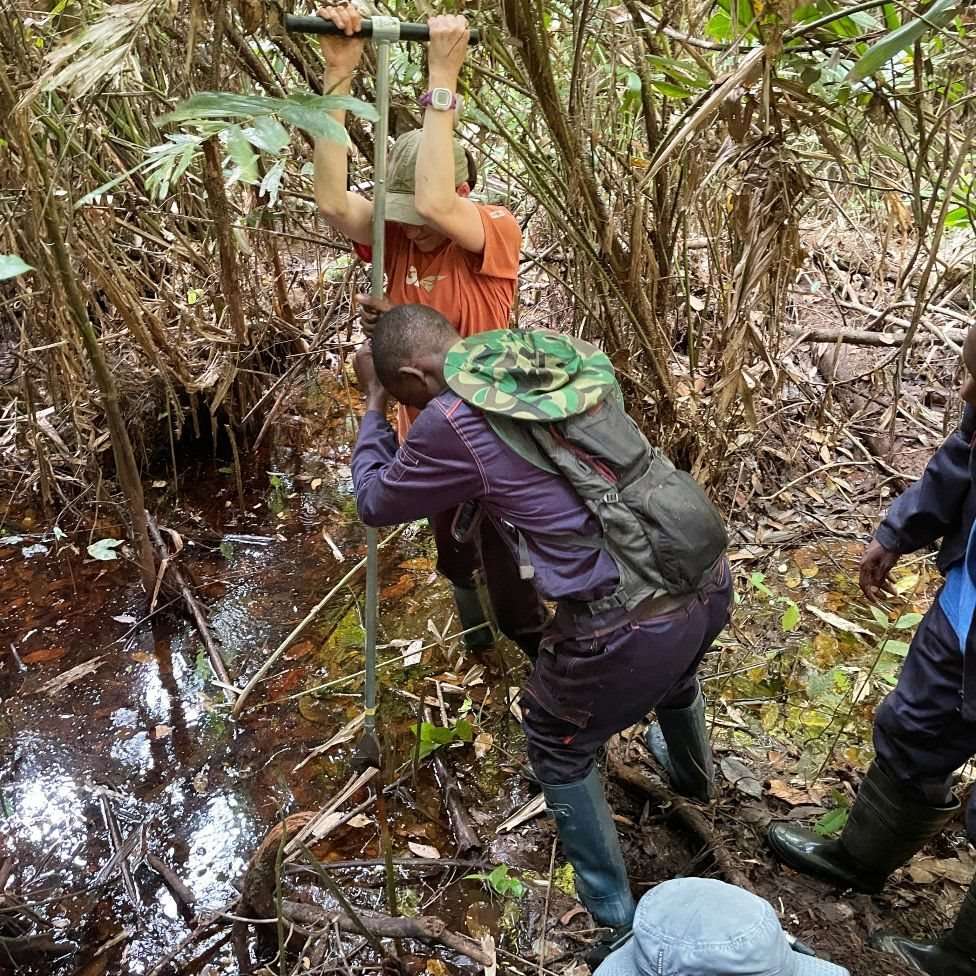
[448,252]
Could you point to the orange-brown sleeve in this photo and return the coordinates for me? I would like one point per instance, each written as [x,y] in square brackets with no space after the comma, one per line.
[503,244]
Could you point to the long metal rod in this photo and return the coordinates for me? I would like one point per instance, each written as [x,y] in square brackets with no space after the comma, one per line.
[377,289]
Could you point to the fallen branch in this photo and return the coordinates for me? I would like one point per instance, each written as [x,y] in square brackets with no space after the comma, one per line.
[464,831]
[863,337]
[115,842]
[193,605]
[258,885]
[683,813]
[203,930]
[426,928]
[179,890]
[441,863]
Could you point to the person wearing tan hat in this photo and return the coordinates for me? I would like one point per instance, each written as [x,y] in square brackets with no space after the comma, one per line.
[445,251]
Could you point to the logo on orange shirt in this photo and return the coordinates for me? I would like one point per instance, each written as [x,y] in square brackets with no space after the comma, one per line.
[426,283]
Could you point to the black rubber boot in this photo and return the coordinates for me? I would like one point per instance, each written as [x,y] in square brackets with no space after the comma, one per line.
[953,955]
[679,741]
[886,827]
[589,840]
[471,613]
[612,941]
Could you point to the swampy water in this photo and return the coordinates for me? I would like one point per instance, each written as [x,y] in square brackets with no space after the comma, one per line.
[112,722]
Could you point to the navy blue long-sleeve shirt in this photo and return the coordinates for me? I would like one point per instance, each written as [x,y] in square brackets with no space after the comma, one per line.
[941,504]
[451,455]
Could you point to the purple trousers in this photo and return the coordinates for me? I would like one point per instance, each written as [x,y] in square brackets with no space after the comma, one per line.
[517,608]
[920,735]
[583,690]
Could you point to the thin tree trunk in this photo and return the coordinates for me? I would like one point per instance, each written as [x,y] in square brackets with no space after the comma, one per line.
[213,181]
[127,470]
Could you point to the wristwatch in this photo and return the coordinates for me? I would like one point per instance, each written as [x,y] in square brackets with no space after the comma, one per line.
[441,100]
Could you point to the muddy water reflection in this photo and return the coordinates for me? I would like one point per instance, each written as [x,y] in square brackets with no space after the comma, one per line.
[149,729]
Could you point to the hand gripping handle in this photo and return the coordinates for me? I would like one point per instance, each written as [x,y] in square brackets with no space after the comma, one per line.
[407,31]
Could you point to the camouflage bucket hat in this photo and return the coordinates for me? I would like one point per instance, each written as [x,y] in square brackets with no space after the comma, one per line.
[537,375]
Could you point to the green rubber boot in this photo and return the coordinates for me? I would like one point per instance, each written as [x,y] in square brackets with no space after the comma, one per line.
[885,829]
[953,955]
[589,840]
[679,742]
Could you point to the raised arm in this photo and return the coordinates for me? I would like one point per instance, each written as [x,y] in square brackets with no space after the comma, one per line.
[436,196]
[348,213]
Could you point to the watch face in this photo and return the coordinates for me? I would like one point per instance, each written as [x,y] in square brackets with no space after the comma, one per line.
[441,99]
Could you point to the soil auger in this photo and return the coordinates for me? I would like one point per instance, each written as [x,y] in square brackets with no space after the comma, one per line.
[383,31]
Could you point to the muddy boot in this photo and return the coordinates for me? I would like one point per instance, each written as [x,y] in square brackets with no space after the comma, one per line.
[471,613]
[679,741]
[885,828]
[953,955]
[589,841]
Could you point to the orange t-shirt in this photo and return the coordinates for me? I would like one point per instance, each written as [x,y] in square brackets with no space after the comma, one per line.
[474,292]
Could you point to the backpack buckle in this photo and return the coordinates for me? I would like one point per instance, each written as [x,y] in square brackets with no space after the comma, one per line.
[611,497]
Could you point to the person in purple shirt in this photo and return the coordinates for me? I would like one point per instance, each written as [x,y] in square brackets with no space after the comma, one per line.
[594,675]
[926,728]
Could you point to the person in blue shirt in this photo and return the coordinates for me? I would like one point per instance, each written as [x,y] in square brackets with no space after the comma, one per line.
[926,728]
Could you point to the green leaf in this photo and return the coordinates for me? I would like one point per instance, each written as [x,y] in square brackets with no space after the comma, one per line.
[958,217]
[104,549]
[832,822]
[908,621]
[272,181]
[902,38]
[105,187]
[671,90]
[240,151]
[633,82]
[268,135]
[880,616]
[758,581]
[501,882]
[308,113]
[790,619]
[719,26]
[220,105]
[11,265]
[896,647]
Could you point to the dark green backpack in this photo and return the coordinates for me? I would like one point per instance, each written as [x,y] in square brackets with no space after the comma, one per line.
[555,401]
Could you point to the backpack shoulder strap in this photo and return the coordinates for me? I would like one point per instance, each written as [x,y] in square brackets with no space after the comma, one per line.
[517,434]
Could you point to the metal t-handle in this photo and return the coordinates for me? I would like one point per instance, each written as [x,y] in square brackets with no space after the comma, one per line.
[406,31]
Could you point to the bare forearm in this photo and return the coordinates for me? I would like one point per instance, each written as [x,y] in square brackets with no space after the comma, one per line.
[436,192]
[331,157]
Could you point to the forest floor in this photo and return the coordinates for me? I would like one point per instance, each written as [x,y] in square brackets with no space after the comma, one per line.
[111,723]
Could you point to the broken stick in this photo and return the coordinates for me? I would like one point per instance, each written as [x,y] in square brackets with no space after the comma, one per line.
[193,605]
[179,890]
[464,832]
[120,851]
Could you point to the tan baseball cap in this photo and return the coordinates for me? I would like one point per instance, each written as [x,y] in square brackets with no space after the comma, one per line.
[401,178]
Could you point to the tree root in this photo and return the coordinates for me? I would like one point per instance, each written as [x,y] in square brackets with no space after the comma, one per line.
[258,901]
[685,815]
